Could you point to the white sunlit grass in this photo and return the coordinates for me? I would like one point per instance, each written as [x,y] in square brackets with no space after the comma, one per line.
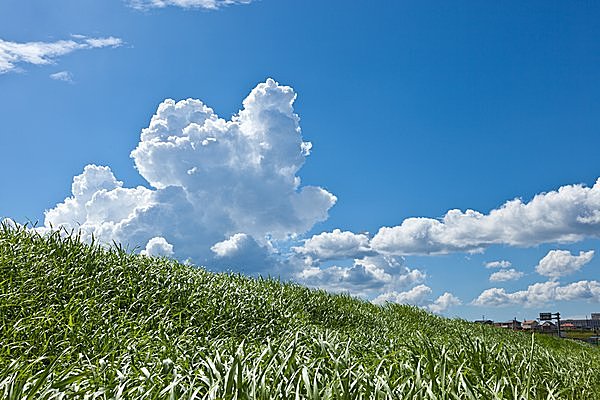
[82,321]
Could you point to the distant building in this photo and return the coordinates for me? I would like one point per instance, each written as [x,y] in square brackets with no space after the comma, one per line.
[592,324]
[514,324]
[548,326]
[530,325]
[584,324]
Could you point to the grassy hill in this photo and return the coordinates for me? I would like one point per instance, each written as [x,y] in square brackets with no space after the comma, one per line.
[80,321]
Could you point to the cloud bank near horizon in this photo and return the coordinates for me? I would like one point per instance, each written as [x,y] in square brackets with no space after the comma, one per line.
[12,54]
[420,296]
[554,265]
[567,215]
[540,294]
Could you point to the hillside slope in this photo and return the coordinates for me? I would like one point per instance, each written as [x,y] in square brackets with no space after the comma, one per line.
[81,321]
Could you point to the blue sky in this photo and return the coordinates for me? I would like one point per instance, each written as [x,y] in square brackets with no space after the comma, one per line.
[412,109]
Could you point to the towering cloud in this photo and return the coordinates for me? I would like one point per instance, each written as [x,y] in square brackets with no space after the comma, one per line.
[211,179]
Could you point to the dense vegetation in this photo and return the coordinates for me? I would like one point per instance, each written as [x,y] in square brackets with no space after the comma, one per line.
[82,321]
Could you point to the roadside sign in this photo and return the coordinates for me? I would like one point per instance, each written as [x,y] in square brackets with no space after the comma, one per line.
[545,316]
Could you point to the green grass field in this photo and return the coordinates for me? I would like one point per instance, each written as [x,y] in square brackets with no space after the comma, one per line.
[80,321]
[572,334]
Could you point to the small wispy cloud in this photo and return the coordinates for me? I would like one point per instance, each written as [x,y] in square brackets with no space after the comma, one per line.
[110,41]
[506,275]
[13,54]
[498,264]
[190,4]
[64,76]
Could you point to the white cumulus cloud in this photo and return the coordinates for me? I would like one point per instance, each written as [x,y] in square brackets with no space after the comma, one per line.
[335,245]
[443,303]
[506,275]
[569,214]
[539,294]
[367,276]
[420,296]
[39,53]
[198,4]
[9,223]
[211,179]
[240,252]
[158,246]
[559,263]
[231,246]
[416,296]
